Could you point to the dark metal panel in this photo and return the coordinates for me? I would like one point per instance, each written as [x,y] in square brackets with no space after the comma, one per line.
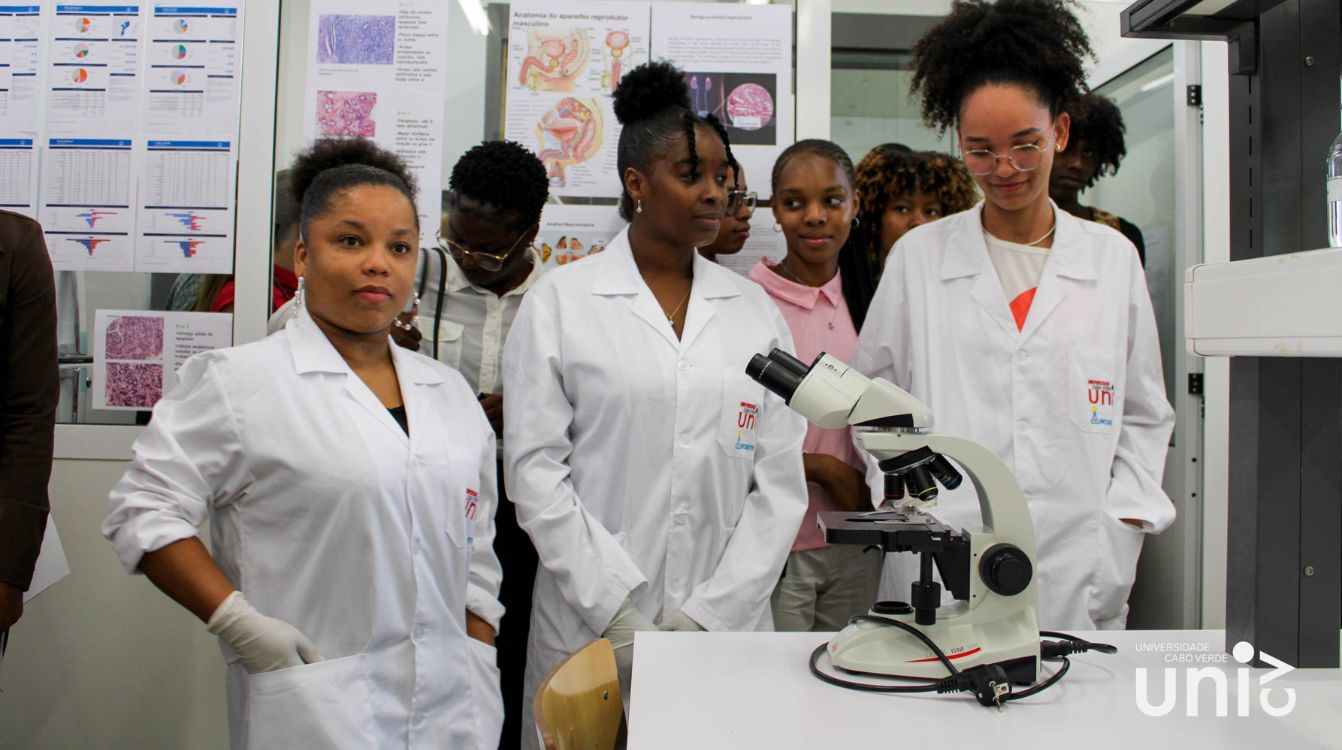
[874,31]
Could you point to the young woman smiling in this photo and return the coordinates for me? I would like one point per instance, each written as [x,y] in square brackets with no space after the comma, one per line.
[1023,327]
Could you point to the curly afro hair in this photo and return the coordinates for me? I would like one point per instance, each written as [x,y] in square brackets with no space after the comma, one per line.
[652,102]
[1097,121]
[885,174]
[506,179]
[1039,44]
[332,166]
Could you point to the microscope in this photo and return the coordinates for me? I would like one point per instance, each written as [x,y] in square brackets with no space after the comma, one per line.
[989,571]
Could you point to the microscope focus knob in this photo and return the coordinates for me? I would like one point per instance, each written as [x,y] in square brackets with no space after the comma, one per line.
[1006,569]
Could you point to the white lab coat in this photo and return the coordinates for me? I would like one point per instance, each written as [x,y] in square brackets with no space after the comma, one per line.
[940,328]
[625,457]
[326,516]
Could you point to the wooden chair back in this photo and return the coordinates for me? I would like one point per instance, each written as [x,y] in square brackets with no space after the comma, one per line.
[579,706]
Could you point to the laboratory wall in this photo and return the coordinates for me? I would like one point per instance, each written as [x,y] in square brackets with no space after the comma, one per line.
[102,659]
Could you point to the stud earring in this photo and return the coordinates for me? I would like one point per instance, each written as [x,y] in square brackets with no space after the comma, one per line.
[778,227]
[638,206]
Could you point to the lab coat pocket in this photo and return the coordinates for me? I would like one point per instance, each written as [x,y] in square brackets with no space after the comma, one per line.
[450,338]
[740,419]
[488,698]
[1092,399]
[325,704]
[1115,569]
[463,503]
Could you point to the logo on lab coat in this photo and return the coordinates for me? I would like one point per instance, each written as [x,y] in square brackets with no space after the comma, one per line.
[746,421]
[472,505]
[1100,394]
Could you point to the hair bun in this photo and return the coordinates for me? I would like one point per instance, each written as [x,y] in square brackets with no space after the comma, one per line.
[649,89]
[330,153]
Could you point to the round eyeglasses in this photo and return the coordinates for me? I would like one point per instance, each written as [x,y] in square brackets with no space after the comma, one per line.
[740,199]
[1025,158]
[486,261]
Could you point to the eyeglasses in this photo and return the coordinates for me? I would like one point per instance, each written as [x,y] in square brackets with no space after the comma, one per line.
[486,261]
[1026,158]
[738,199]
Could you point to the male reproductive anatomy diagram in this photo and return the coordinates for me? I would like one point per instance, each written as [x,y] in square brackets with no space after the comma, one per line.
[569,133]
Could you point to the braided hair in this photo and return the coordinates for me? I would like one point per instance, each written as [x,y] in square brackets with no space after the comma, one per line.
[1097,121]
[1037,44]
[855,270]
[332,166]
[652,104]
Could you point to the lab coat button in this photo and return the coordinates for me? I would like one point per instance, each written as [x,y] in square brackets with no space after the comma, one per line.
[684,441]
[681,517]
[419,633]
[1022,423]
[1021,356]
[683,364]
[416,462]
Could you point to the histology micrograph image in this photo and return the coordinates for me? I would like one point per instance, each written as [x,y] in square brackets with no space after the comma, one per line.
[346,113]
[356,40]
[745,102]
[138,384]
[135,337]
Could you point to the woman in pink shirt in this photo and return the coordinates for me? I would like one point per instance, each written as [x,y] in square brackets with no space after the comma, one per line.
[823,287]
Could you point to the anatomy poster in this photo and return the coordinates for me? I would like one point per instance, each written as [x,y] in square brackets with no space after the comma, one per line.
[378,71]
[136,354]
[564,61]
[570,233]
[738,62]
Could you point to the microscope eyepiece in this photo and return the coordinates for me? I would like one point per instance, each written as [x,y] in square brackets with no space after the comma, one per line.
[780,372]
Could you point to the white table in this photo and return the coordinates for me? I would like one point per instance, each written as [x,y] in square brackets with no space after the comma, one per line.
[754,690]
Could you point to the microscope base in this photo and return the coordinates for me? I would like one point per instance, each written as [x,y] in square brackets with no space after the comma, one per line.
[968,641]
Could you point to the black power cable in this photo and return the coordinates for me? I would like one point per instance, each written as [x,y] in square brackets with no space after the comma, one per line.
[988,682]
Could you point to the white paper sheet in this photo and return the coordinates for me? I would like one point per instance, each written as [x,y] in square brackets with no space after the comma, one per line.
[763,242]
[51,563]
[20,57]
[568,233]
[93,69]
[191,83]
[136,353]
[564,60]
[739,62]
[379,71]
[86,204]
[185,222]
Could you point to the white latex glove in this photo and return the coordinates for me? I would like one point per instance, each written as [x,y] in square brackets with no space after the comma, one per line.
[263,643]
[681,621]
[627,621]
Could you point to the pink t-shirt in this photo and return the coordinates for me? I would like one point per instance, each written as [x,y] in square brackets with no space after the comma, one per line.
[819,320]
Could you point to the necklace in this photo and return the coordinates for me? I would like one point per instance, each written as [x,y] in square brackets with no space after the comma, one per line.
[1047,234]
[782,266]
[671,318]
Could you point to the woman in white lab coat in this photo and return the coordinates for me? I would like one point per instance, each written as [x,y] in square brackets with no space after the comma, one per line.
[349,486]
[1023,327]
[662,486]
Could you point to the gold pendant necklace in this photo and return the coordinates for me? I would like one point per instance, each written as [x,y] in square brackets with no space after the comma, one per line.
[671,318]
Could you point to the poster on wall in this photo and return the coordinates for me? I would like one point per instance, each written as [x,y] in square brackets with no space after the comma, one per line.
[93,70]
[570,233]
[136,353]
[564,61]
[738,64]
[20,58]
[185,217]
[378,71]
[87,187]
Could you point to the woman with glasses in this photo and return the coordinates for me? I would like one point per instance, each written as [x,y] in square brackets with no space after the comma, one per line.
[823,287]
[735,229]
[661,486]
[1025,328]
[349,486]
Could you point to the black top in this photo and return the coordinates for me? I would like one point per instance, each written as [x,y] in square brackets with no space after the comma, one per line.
[398,414]
[1133,234]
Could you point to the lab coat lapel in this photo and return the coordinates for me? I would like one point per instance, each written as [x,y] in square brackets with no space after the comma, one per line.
[967,255]
[618,276]
[710,284]
[415,377]
[1069,265]
[313,352]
